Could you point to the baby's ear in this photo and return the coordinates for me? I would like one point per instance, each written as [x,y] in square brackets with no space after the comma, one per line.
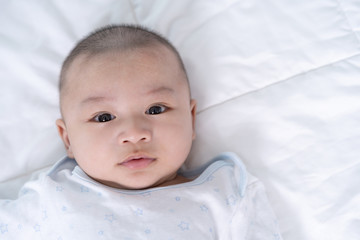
[61,127]
[193,115]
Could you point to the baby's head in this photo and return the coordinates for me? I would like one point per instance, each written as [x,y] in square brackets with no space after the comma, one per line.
[127,115]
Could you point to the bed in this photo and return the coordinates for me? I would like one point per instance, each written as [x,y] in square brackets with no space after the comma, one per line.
[277,82]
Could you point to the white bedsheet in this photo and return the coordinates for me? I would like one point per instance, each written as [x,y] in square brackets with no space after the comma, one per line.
[277,82]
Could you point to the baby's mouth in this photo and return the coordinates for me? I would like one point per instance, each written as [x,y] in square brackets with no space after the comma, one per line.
[137,162]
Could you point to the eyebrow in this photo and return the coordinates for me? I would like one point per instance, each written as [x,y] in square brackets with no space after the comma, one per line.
[95,99]
[161,90]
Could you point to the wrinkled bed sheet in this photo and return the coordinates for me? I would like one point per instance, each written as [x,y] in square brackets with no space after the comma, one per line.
[277,82]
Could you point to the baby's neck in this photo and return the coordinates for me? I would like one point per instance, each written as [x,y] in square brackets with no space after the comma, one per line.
[177,180]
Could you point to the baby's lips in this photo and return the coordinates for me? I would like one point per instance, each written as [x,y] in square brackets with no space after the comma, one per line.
[137,156]
[137,162]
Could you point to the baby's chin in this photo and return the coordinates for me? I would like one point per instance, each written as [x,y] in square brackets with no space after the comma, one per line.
[135,185]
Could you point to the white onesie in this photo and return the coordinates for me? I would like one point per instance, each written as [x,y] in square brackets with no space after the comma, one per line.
[223,202]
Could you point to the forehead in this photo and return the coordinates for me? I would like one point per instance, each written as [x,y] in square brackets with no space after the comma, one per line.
[142,68]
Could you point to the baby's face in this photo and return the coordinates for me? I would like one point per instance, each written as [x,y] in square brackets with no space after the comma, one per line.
[127,118]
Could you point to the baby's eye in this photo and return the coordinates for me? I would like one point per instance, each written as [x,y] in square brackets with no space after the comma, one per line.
[103,117]
[156,110]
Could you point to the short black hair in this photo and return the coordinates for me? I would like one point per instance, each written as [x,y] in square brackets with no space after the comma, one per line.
[116,37]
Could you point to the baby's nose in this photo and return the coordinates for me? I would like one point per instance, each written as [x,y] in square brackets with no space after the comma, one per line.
[135,131]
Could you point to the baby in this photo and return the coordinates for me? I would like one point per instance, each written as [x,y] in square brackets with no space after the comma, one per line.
[128,119]
[128,125]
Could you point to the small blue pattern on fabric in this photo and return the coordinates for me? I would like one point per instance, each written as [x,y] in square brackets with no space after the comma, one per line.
[3,228]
